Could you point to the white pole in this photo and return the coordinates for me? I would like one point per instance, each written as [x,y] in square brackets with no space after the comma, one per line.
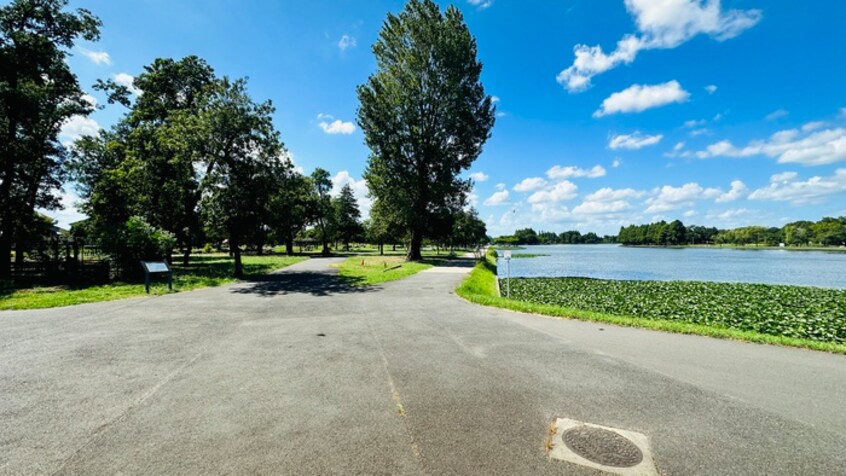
[508,281]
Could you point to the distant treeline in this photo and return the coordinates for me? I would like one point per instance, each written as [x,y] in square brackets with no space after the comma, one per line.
[826,232]
[528,236]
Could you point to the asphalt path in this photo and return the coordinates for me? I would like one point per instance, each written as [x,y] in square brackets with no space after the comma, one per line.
[300,373]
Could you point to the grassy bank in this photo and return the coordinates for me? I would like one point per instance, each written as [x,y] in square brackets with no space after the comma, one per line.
[204,271]
[480,287]
[368,270]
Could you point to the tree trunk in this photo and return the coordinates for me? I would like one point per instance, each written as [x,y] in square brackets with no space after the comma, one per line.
[236,251]
[289,244]
[381,248]
[416,243]
[186,253]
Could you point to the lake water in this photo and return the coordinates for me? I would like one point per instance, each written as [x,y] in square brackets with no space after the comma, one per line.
[804,268]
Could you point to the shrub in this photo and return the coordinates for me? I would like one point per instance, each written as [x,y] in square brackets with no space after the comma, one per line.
[133,242]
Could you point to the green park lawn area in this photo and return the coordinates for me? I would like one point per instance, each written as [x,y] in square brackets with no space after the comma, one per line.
[368,270]
[204,271]
[795,316]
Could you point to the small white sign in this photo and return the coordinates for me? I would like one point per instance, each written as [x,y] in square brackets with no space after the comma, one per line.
[507,254]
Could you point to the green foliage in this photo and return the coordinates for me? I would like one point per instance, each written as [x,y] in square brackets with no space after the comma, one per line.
[528,236]
[208,248]
[425,116]
[826,232]
[347,216]
[135,241]
[323,213]
[38,94]
[790,311]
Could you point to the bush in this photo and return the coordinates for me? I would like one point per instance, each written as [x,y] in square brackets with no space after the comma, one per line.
[208,248]
[133,242]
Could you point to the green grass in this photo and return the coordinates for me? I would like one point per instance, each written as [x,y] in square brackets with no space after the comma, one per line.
[368,270]
[480,288]
[204,271]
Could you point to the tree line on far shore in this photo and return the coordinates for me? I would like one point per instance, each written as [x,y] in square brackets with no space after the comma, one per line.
[825,232]
[528,236]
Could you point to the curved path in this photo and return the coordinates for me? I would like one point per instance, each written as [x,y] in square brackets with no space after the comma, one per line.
[301,374]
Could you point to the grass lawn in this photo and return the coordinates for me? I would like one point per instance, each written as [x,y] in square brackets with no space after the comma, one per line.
[367,270]
[204,271]
[793,316]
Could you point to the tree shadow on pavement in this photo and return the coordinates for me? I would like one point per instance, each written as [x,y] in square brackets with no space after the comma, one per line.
[303,282]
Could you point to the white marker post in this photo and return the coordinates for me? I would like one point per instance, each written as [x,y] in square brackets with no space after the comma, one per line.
[508,274]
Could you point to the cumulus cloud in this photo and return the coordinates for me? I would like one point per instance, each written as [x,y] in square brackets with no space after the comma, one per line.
[559,172]
[607,201]
[561,191]
[669,198]
[633,141]
[125,79]
[479,176]
[786,187]
[529,184]
[347,41]
[711,88]
[806,146]
[359,188]
[336,126]
[616,163]
[640,97]
[96,57]
[738,190]
[76,127]
[498,198]
[661,24]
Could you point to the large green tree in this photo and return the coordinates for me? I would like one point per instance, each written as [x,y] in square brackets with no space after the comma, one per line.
[38,94]
[424,114]
[347,216]
[244,145]
[322,213]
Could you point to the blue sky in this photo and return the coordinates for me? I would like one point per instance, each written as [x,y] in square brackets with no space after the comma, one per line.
[611,111]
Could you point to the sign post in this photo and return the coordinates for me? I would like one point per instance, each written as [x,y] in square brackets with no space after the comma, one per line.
[508,274]
[161,267]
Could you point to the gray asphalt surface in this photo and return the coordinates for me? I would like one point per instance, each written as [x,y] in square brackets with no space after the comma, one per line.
[408,379]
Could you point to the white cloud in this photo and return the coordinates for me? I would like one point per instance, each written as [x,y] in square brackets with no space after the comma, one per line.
[347,41]
[729,214]
[495,99]
[842,112]
[640,97]
[694,123]
[498,198]
[806,147]
[616,163]
[76,127]
[669,198]
[738,190]
[335,127]
[90,99]
[700,132]
[689,213]
[125,79]
[69,213]
[679,146]
[711,88]
[633,141]
[607,194]
[529,184]
[500,186]
[96,57]
[813,125]
[559,172]
[481,4]
[359,188]
[777,114]
[561,191]
[479,176]
[661,24]
[786,187]
[595,208]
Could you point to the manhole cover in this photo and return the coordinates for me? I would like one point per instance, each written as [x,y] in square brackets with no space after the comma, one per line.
[602,446]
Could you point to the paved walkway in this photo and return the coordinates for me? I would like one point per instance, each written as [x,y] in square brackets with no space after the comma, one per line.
[301,374]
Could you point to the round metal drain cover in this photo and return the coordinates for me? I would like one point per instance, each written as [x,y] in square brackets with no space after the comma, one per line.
[602,446]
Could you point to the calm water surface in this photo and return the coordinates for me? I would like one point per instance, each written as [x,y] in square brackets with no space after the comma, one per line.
[805,268]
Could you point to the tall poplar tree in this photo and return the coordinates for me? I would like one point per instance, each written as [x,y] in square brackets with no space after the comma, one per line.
[424,114]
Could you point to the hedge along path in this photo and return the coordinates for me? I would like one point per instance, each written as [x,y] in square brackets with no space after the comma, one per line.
[480,288]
